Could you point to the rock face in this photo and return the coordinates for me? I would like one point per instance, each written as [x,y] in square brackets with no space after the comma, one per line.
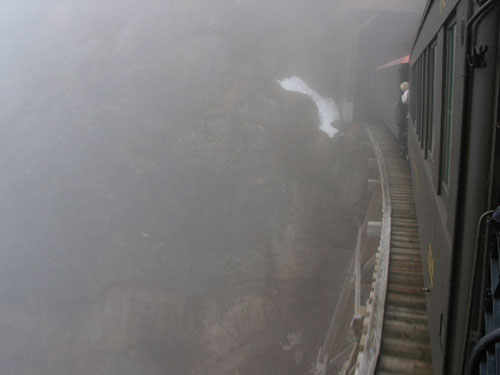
[167,207]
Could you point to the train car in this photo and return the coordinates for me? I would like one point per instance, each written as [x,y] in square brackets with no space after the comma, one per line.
[453,143]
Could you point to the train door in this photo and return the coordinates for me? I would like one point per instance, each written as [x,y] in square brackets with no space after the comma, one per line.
[485,304]
[495,166]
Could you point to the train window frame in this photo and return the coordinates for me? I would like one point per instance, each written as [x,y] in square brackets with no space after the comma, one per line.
[412,102]
[414,95]
[433,68]
[417,98]
[448,95]
[424,95]
[420,99]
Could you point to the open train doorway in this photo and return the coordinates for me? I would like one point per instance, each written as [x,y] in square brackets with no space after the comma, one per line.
[375,37]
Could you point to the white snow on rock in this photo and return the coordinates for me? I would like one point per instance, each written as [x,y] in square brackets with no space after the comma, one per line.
[327,109]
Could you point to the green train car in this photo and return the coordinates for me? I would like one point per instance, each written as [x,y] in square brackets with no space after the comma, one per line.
[454,155]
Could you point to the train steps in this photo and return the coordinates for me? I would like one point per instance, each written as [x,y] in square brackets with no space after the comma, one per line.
[405,347]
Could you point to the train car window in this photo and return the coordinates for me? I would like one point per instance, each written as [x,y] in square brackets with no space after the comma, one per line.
[449,86]
[417,96]
[413,94]
[412,103]
[422,99]
[430,99]
[420,93]
[424,94]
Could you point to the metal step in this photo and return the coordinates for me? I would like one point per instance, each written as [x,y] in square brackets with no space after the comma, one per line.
[410,331]
[412,301]
[405,250]
[405,245]
[406,257]
[406,279]
[405,264]
[403,348]
[406,289]
[403,237]
[405,314]
[404,366]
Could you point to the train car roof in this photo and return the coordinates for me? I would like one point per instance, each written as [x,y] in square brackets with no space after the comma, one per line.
[422,20]
[401,60]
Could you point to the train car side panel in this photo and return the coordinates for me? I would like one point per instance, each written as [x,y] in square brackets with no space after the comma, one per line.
[437,13]
[436,90]
[435,252]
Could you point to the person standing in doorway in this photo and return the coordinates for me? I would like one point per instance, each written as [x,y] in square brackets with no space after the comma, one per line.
[402,120]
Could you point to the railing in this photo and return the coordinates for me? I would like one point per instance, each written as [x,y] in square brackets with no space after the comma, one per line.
[362,354]
[352,279]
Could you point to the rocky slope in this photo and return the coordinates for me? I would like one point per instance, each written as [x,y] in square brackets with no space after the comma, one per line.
[166,206]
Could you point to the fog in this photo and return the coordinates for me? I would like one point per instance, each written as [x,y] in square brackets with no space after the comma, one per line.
[166,206]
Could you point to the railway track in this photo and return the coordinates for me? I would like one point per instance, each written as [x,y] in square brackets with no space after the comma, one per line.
[394,338]
[405,347]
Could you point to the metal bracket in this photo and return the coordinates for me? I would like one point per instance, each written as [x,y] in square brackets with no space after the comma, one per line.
[476,58]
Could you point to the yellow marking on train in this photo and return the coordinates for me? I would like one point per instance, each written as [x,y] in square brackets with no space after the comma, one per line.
[443,5]
[430,264]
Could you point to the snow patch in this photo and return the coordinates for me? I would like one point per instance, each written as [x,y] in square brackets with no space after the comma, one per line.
[327,109]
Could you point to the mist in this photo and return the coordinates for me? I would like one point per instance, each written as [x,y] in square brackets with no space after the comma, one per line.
[168,204]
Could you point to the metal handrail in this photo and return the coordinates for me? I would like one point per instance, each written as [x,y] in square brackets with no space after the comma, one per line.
[492,331]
